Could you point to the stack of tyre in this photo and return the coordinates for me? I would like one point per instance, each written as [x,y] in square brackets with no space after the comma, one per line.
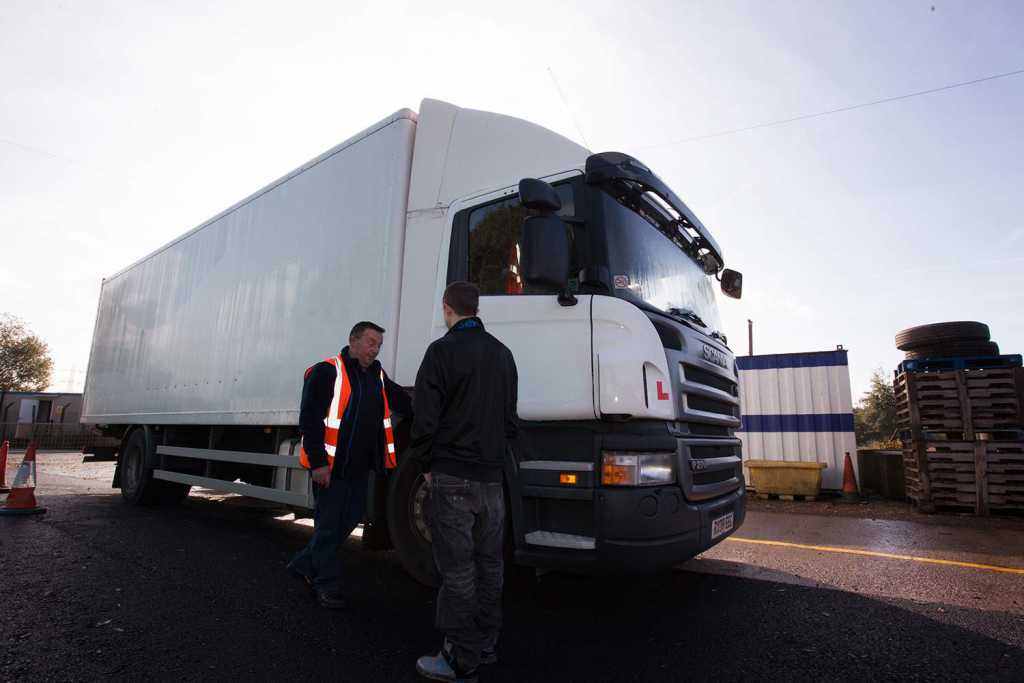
[958,411]
[960,339]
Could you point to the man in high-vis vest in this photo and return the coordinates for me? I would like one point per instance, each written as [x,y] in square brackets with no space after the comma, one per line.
[345,421]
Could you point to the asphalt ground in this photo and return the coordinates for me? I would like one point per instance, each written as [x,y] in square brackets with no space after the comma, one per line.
[95,589]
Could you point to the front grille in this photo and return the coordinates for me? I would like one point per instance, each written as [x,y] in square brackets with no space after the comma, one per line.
[698,429]
[718,476]
[704,452]
[710,468]
[710,405]
[700,376]
[708,397]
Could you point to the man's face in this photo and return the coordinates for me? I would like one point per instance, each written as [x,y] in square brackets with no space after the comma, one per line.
[365,347]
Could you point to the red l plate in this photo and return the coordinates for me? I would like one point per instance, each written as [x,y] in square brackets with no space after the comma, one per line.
[662,394]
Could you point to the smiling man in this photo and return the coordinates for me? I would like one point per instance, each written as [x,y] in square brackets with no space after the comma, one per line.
[345,420]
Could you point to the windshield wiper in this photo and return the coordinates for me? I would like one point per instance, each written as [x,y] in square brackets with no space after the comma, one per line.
[684,316]
[688,314]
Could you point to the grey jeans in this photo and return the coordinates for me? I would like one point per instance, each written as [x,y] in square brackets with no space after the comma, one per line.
[467,524]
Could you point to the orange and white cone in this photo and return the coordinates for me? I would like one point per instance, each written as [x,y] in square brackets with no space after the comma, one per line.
[850,492]
[3,466]
[22,499]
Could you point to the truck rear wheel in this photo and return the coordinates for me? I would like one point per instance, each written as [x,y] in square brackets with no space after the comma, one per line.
[138,487]
[407,522]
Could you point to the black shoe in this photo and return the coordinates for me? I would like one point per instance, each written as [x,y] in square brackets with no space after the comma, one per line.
[331,599]
[488,656]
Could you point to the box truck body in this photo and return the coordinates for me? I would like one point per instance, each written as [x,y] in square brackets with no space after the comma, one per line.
[199,348]
[217,327]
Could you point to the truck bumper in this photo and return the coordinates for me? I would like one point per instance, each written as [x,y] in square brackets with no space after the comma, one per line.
[597,529]
[643,531]
[683,530]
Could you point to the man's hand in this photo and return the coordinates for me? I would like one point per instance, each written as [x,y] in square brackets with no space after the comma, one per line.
[426,475]
[322,476]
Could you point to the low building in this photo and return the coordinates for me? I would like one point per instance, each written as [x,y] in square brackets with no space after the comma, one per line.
[50,419]
[798,407]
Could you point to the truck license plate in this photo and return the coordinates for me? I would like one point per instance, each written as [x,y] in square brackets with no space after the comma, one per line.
[721,525]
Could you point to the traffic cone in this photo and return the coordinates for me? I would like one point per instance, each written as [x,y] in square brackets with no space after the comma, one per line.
[850,493]
[22,500]
[3,467]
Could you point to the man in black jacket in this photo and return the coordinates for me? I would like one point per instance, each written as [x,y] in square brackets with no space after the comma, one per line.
[340,491]
[465,406]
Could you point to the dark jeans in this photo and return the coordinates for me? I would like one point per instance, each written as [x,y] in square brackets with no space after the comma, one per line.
[467,524]
[339,509]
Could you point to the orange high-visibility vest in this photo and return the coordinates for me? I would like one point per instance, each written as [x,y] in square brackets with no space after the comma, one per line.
[332,421]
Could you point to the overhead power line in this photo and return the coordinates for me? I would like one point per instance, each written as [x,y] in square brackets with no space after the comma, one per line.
[862,105]
[568,109]
[58,157]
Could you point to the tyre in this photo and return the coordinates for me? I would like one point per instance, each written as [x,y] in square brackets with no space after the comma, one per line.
[938,333]
[410,533]
[954,349]
[138,487]
[407,522]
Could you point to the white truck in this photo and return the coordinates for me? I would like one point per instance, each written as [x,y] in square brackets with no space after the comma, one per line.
[628,394]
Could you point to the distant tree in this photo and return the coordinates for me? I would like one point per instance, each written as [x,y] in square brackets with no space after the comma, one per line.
[874,418]
[25,363]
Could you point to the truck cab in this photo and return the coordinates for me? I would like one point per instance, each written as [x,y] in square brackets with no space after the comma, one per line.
[601,281]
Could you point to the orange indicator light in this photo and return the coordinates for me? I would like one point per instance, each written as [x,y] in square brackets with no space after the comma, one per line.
[565,478]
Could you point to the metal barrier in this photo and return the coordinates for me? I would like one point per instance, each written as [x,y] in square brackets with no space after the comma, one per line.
[53,436]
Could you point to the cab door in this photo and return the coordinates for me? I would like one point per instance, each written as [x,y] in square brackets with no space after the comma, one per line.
[551,343]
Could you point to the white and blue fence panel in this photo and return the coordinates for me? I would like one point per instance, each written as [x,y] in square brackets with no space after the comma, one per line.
[798,407]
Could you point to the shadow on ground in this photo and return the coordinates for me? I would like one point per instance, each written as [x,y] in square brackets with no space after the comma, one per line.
[98,590]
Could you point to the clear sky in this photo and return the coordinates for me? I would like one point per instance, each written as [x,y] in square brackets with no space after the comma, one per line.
[124,124]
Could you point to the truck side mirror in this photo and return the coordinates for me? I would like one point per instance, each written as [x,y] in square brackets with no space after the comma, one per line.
[732,283]
[539,196]
[545,253]
[544,243]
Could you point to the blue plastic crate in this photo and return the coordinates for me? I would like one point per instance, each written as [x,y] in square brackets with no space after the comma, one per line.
[972,363]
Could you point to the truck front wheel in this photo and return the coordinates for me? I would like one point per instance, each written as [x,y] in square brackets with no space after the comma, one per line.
[407,522]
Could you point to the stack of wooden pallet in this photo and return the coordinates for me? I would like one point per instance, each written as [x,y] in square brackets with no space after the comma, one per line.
[960,421]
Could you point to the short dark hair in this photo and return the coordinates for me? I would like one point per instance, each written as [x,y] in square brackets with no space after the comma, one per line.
[463,298]
[359,328]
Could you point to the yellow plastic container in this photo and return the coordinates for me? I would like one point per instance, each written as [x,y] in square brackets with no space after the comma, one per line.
[785,478]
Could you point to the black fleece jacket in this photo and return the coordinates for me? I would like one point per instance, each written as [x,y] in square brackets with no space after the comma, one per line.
[361,438]
[465,404]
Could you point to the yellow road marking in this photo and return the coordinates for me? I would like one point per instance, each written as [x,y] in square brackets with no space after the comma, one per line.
[872,553]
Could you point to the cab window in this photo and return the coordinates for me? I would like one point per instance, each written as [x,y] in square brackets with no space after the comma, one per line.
[493,243]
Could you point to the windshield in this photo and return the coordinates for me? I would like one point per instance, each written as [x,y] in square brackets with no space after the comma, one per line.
[647,267]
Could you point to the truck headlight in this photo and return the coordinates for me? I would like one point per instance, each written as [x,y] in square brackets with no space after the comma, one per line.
[619,468]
